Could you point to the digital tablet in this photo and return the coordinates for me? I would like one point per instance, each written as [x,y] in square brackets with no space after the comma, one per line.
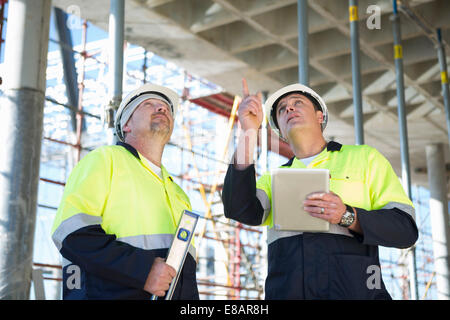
[289,189]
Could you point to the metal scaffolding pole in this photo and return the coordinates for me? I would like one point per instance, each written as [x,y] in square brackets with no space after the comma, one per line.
[81,86]
[264,136]
[22,109]
[444,79]
[303,55]
[437,179]
[356,72]
[404,148]
[116,39]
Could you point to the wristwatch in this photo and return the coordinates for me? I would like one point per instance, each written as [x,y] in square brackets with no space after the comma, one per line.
[348,218]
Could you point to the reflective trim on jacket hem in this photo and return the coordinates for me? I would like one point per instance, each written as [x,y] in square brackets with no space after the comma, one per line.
[153,241]
[273,235]
[75,222]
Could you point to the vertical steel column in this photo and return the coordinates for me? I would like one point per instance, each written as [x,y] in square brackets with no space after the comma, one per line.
[264,136]
[116,39]
[356,72]
[404,148]
[444,79]
[68,60]
[22,111]
[303,49]
[144,68]
[437,179]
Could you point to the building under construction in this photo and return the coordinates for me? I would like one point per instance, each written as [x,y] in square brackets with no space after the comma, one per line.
[380,65]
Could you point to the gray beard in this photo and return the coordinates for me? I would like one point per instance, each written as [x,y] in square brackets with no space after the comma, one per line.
[159,129]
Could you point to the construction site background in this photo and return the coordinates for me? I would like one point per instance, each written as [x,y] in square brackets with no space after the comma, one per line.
[231,257]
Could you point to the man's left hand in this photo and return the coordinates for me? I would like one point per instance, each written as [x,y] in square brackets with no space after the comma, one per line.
[333,207]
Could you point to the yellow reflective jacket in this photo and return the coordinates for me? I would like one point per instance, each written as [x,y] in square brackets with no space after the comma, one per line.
[338,264]
[116,216]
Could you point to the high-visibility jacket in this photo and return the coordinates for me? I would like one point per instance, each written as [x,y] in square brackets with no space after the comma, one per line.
[116,216]
[337,264]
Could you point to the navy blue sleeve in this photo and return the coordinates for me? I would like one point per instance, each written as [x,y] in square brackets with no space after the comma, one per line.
[239,196]
[102,255]
[387,227]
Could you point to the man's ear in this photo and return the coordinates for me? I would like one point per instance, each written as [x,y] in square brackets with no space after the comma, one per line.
[319,115]
[126,128]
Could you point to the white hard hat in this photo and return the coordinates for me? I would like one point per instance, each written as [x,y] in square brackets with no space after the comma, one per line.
[272,101]
[134,99]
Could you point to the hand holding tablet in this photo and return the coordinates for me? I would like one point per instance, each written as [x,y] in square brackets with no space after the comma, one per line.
[290,188]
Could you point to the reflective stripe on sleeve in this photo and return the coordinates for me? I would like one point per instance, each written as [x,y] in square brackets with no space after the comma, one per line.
[147,242]
[153,241]
[402,206]
[265,203]
[72,224]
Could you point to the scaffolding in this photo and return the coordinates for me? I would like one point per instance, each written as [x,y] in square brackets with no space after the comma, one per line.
[231,257]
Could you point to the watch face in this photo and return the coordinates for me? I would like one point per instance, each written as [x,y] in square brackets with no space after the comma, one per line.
[347,219]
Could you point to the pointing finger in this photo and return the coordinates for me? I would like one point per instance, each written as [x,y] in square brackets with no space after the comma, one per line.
[245,88]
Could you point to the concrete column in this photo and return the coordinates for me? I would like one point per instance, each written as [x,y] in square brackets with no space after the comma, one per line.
[21,109]
[439,218]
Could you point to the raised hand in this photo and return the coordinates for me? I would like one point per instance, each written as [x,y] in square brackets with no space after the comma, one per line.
[250,110]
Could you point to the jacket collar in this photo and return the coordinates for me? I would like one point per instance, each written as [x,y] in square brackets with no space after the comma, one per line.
[334,146]
[331,146]
[130,148]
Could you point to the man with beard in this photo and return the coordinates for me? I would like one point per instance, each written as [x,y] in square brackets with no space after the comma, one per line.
[120,209]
